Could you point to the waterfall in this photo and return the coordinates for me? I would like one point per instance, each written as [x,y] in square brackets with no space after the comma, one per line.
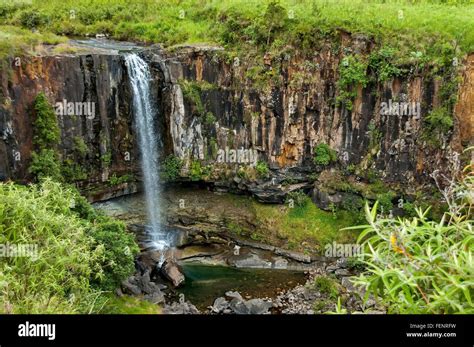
[145,115]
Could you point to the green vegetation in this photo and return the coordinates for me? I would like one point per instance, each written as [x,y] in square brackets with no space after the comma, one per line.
[47,134]
[438,122]
[192,92]
[71,171]
[298,198]
[106,158]
[262,169]
[171,168]
[304,227]
[115,180]
[45,164]
[197,172]
[80,146]
[418,265]
[327,285]
[79,253]
[129,305]
[45,160]
[324,155]
[382,62]
[352,73]
[423,26]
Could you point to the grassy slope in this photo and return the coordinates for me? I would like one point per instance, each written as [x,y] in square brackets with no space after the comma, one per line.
[305,228]
[426,25]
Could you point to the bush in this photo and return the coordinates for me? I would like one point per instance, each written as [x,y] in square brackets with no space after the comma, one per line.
[439,120]
[46,164]
[262,169]
[58,280]
[324,155]
[299,198]
[417,265]
[119,251]
[45,161]
[46,129]
[171,168]
[196,171]
[352,72]
[327,285]
[80,252]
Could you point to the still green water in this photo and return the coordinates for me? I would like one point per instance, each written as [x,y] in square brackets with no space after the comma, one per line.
[205,283]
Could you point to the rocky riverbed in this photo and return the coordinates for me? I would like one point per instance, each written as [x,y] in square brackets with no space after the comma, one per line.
[326,283]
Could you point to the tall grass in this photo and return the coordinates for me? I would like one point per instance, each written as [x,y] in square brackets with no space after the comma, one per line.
[409,25]
[79,256]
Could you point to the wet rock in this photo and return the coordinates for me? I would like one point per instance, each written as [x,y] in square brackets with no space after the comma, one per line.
[147,260]
[220,305]
[252,261]
[130,288]
[347,283]
[180,308]
[234,295]
[280,263]
[253,306]
[145,284]
[156,297]
[342,272]
[171,272]
[304,258]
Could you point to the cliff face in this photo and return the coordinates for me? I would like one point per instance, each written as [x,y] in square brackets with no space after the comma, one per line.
[207,103]
[97,78]
[287,116]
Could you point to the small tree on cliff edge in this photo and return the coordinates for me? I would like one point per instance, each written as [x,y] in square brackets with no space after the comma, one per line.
[45,161]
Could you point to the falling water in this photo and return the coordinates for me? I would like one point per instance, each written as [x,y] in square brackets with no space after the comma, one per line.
[145,113]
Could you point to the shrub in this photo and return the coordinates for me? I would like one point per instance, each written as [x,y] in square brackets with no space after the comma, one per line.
[262,169]
[46,129]
[58,280]
[80,147]
[299,198]
[171,168]
[327,285]
[352,72]
[80,252]
[115,180]
[324,155]
[46,164]
[45,159]
[439,120]
[195,170]
[119,251]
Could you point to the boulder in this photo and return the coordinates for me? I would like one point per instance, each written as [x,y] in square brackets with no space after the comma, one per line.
[233,295]
[130,288]
[252,306]
[171,271]
[180,308]
[251,261]
[220,304]
[303,258]
[156,297]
